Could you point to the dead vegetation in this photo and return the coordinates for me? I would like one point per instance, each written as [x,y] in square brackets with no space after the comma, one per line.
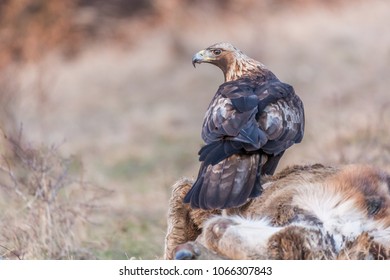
[45,205]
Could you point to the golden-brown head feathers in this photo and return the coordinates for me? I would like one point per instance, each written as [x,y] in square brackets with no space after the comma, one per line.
[233,62]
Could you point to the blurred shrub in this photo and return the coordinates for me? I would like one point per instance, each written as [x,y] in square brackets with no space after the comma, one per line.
[45,207]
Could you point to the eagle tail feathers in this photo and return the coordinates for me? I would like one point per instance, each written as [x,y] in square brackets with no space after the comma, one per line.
[226,184]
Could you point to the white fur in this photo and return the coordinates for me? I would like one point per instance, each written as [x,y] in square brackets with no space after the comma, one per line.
[341,217]
[243,236]
[256,232]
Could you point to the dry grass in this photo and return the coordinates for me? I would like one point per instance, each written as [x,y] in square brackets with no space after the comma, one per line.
[45,208]
[130,105]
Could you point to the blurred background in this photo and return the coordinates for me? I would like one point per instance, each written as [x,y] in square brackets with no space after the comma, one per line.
[101,109]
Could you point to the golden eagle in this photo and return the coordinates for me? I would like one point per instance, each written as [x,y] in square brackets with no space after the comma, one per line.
[252,119]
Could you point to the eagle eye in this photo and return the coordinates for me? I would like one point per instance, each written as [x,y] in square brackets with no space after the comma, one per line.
[217,52]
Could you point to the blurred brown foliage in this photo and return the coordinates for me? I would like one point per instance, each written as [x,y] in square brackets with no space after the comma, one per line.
[31,28]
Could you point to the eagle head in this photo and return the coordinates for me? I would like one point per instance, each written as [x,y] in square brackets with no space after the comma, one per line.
[228,58]
[216,54]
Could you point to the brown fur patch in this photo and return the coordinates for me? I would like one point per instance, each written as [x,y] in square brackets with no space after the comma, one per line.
[364,248]
[296,243]
[365,186]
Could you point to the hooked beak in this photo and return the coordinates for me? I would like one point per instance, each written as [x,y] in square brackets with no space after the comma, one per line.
[199,58]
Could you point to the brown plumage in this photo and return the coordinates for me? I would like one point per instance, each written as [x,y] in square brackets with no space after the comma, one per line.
[252,119]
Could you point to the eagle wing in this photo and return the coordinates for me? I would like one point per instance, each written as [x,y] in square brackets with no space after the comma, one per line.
[247,115]
[282,119]
[246,119]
